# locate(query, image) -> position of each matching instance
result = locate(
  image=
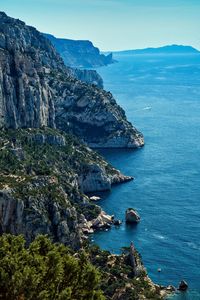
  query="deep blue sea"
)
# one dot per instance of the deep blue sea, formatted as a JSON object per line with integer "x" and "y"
{"x": 161, "y": 97}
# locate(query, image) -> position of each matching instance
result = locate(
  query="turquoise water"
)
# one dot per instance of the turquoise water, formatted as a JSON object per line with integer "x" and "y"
{"x": 161, "y": 97}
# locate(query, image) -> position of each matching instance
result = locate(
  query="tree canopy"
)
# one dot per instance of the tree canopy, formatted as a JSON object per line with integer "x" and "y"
{"x": 44, "y": 270}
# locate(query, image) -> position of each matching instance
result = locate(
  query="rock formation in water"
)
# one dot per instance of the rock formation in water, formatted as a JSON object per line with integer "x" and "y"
{"x": 80, "y": 54}
{"x": 37, "y": 89}
{"x": 132, "y": 216}
{"x": 183, "y": 286}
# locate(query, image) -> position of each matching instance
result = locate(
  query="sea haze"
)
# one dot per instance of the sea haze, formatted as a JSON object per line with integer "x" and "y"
{"x": 161, "y": 97}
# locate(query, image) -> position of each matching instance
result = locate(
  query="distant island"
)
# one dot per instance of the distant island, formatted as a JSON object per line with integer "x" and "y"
{"x": 169, "y": 50}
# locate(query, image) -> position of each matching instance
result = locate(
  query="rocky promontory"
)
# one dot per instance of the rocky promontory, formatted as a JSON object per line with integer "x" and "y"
{"x": 94, "y": 116}
{"x": 88, "y": 76}
{"x": 80, "y": 53}
{"x": 44, "y": 175}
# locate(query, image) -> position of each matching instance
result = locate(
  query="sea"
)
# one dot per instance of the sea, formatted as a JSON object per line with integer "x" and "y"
{"x": 161, "y": 97}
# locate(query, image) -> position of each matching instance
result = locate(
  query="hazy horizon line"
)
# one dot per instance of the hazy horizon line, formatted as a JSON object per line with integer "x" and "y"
{"x": 122, "y": 50}
{"x": 102, "y": 43}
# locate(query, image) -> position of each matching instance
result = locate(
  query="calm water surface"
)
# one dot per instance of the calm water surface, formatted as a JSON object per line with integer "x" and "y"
{"x": 161, "y": 97}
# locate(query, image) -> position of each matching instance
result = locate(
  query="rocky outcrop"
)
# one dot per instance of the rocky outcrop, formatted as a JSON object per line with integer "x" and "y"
{"x": 183, "y": 286}
{"x": 131, "y": 257}
{"x": 50, "y": 139}
{"x": 25, "y": 98}
{"x": 72, "y": 56}
{"x": 37, "y": 89}
{"x": 94, "y": 116}
{"x": 88, "y": 76}
{"x": 102, "y": 222}
{"x": 132, "y": 216}
{"x": 35, "y": 215}
{"x": 80, "y": 54}
{"x": 127, "y": 277}
{"x": 95, "y": 178}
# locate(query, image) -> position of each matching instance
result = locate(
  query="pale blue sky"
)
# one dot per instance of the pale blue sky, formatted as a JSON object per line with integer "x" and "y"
{"x": 113, "y": 24}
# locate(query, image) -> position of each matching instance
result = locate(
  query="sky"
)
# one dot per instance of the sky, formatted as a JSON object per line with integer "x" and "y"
{"x": 113, "y": 24}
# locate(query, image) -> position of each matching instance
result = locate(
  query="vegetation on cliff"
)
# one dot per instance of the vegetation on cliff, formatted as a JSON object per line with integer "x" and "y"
{"x": 40, "y": 193}
{"x": 43, "y": 176}
{"x": 44, "y": 270}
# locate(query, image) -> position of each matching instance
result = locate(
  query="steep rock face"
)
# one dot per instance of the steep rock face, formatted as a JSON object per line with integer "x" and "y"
{"x": 37, "y": 89}
{"x": 25, "y": 98}
{"x": 34, "y": 215}
{"x": 94, "y": 116}
{"x": 97, "y": 178}
{"x": 79, "y": 54}
{"x": 88, "y": 76}
{"x": 43, "y": 177}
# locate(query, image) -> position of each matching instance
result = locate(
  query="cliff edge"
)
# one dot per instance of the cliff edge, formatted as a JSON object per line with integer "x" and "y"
{"x": 80, "y": 53}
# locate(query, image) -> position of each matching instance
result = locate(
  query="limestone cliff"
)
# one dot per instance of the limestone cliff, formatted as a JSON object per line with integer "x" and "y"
{"x": 93, "y": 115}
{"x": 79, "y": 53}
{"x": 88, "y": 76}
{"x": 37, "y": 89}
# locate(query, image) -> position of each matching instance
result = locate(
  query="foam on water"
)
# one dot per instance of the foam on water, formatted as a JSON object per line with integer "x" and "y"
{"x": 159, "y": 236}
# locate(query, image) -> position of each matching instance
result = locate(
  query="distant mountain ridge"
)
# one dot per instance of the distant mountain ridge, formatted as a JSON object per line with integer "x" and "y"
{"x": 169, "y": 49}
{"x": 79, "y": 53}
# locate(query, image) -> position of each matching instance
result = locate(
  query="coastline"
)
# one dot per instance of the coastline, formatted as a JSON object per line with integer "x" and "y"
{"x": 46, "y": 173}
{"x": 105, "y": 222}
